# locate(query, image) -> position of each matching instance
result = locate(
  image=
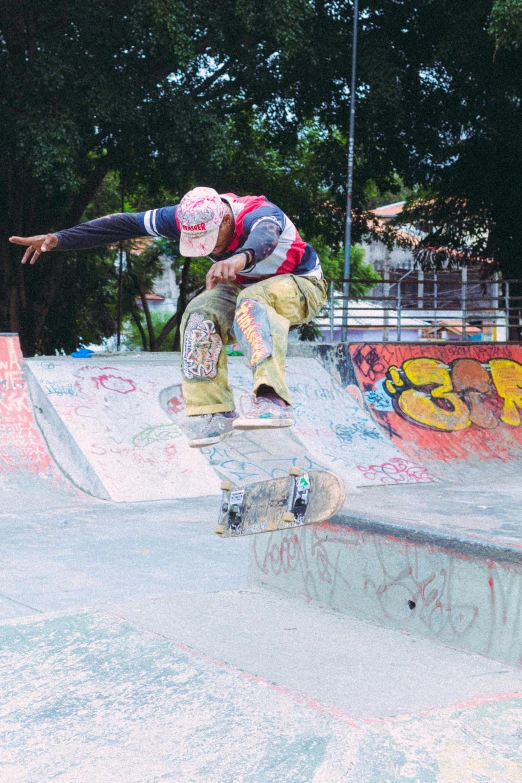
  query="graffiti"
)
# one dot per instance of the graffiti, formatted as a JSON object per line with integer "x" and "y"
{"x": 61, "y": 389}
{"x": 454, "y": 397}
{"x": 345, "y": 432}
{"x": 115, "y": 383}
{"x": 252, "y": 331}
{"x": 369, "y": 361}
{"x": 157, "y": 433}
{"x": 174, "y": 405}
{"x": 507, "y": 379}
{"x": 438, "y": 593}
{"x": 201, "y": 348}
{"x": 378, "y": 397}
{"x": 22, "y": 446}
{"x": 396, "y": 471}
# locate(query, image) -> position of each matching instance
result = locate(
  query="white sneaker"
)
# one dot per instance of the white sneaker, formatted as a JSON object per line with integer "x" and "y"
{"x": 214, "y": 427}
{"x": 264, "y": 414}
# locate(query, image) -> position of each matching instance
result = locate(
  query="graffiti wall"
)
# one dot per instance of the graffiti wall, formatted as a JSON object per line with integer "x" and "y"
{"x": 22, "y": 448}
{"x": 462, "y": 601}
{"x": 445, "y": 402}
{"x": 110, "y": 413}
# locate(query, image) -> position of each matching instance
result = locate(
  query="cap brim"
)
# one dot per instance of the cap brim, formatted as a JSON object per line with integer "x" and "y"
{"x": 197, "y": 246}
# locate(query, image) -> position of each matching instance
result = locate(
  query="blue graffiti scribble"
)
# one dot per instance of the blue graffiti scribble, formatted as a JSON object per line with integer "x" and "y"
{"x": 61, "y": 389}
{"x": 378, "y": 398}
{"x": 346, "y": 432}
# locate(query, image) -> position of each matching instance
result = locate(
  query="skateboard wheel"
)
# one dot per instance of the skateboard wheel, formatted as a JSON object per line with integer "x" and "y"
{"x": 289, "y": 516}
{"x": 220, "y": 530}
{"x": 226, "y": 486}
{"x": 273, "y": 525}
{"x": 294, "y": 471}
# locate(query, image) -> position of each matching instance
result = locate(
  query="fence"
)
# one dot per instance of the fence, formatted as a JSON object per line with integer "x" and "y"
{"x": 439, "y": 306}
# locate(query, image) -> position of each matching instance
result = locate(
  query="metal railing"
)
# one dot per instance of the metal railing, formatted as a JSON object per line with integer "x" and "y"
{"x": 436, "y": 307}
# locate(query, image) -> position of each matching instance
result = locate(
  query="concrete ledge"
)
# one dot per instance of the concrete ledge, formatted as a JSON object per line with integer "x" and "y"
{"x": 463, "y": 544}
{"x": 416, "y": 581}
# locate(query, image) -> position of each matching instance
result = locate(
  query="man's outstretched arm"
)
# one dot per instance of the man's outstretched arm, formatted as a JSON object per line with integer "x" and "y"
{"x": 103, "y": 231}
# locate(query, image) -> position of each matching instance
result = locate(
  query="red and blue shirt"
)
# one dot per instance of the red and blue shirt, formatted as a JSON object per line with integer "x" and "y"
{"x": 273, "y": 242}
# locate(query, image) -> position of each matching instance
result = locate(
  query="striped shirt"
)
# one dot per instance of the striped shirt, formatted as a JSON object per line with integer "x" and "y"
{"x": 260, "y": 227}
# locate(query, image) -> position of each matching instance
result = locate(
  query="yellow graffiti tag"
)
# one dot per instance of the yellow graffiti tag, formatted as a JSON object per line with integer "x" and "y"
{"x": 507, "y": 377}
{"x": 437, "y": 407}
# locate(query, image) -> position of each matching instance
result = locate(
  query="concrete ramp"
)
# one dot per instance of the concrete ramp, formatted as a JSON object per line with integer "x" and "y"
{"x": 25, "y": 461}
{"x": 376, "y": 414}
{"x": 105, "y": 416}
{"x": 23, "y": 450}
{"x": 121, "y": 421}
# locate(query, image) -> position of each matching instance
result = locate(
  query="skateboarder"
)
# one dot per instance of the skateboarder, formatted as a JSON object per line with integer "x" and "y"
{"x": 263, "y": 280}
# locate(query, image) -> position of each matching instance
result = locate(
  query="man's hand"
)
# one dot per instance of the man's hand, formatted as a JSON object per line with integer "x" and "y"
{"x": 221, "y": 271}
{"x": 35, "y": 246}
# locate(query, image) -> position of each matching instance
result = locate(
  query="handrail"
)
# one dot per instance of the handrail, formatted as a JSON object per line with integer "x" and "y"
{"x": 476, "y": 309}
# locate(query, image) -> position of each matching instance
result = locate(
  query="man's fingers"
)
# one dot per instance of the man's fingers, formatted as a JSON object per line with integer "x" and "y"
{"x": 28, "y": 253}
{"x": 22, "y": 240}
{"x": 35, "y": 257}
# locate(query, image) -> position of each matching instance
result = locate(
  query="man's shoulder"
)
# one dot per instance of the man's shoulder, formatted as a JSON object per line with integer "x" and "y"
{"x": 249, "y": 210}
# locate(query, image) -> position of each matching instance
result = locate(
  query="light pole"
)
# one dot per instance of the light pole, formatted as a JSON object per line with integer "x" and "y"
{"x": 348, "y": 227}
{"x": 120, "y": 272}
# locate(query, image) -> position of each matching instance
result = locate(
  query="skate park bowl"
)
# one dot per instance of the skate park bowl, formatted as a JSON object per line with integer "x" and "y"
{"x": 427, "y": 438}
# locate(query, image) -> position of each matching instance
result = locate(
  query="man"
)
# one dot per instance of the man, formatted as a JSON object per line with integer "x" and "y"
{"x": 263, "y": 280}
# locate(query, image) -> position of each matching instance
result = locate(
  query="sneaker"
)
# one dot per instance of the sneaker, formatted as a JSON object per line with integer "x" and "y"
{"x": 213, "y": 428}
{"x": 265, "y": 413}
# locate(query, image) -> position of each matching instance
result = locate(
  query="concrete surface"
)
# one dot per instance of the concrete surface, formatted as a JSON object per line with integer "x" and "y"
{"x": 132, "y": 650}
{"x": 133, "y": 647}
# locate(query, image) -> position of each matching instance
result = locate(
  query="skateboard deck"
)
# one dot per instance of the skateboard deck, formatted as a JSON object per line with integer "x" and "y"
{"x": 301, "y": 498}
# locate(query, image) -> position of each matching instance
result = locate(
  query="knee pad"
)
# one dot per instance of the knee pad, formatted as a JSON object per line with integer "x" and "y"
{"x": 201, "y": 348}
{"x": 252, "y": 330}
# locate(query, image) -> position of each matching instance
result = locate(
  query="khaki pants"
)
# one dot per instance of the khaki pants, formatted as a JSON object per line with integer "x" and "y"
{"x": 257, "y": 317}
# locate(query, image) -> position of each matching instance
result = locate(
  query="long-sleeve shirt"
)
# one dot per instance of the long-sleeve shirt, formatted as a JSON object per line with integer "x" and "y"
{"x": 260, "y": 227}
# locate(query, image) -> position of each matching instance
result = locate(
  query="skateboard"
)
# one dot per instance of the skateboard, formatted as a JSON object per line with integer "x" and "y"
{"x": 277, "y": 504}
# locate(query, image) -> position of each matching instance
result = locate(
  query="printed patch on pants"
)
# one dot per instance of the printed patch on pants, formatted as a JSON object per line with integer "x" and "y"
{"x": 201, "y": 348}
{"x": 252, "y": 329}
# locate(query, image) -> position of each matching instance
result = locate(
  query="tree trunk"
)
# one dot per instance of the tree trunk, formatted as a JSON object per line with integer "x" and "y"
{"x": 182, "y": 302}
{"x": 27, "y": 293}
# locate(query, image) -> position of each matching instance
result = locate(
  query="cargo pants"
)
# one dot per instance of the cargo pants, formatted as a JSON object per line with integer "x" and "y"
{"x": 258, "y": 318}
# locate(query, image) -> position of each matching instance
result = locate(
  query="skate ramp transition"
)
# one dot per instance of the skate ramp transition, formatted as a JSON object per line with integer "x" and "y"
{"x": 382, "y": 414}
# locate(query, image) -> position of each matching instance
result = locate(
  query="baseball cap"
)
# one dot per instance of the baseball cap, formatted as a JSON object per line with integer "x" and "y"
{"x": 200, "y": 213}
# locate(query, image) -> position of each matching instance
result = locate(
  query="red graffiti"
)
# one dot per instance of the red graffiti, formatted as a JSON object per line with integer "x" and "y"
{"x": 115, "y": 383}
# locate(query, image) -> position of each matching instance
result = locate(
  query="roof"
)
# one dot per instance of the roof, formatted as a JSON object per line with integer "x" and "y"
{"x": 389, "y": 210}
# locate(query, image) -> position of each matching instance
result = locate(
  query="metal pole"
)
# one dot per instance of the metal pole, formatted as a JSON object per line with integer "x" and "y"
{"x": 348, "y": 227}
{"x": 399, "y": 317}
{"x": 332, "y": 311}
{"x": 464, "y": 303}
{"x": 435, "y": 292}
{"x": 420, "y": 296}
{"x": 508, "y": 313}
{"x": 120, "y": 274}
{"x": 386, "y": 294}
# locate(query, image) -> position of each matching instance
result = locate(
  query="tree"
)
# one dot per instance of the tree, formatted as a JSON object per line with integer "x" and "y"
{"x": 142, "y": 88}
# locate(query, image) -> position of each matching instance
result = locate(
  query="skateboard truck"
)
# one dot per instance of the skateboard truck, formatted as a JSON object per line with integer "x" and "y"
{"x": 231, "y": 503}
{"x": 297, "y": 500}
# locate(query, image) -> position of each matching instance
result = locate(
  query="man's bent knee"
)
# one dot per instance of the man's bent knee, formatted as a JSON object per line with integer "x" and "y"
{"x": 202, "y": 346}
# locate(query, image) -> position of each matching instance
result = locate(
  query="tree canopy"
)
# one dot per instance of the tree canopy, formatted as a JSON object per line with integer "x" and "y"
{"x": 146, "y": 88}
{"x": 252, "y": 97}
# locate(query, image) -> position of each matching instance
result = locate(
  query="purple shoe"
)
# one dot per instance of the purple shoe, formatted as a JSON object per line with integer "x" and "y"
{"x": 264, "y": 414}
